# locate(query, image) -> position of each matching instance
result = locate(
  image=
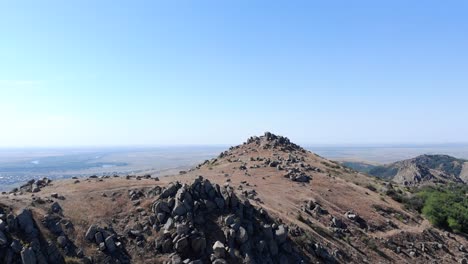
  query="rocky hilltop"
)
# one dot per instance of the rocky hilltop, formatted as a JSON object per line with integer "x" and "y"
{"x": 425, "y": 169}
{"x": 265, "y": 201}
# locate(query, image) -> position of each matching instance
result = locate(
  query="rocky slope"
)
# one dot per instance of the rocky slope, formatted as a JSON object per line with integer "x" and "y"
{"x": 424, "y": 169}
{"x": 265, "y": 201}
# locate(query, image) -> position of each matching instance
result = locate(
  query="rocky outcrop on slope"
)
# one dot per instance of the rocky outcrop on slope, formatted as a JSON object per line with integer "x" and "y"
{"x": 32, "y": 186}
{"x": 22, "y": 242}
{"x": 206, "y": 223}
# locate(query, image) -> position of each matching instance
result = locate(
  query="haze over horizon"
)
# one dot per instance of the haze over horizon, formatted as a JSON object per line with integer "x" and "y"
{"x": 119, "y": 73}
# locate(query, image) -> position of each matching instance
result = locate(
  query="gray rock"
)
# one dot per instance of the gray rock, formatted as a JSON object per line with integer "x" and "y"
{"x": 181, "y": 245}
{"x": 241, "y": 235}
{"x": 219, "y": 202}
{"x": 3, "y": 239}
{"x": 210, "y": 206}
{"x": 273, "y": 247}
{"x": 268, "y": 231}
{"x": 91, "y": 233}
{"x": 283, "y": 259}
{"x": 179, "y": 208}
{"x": 12, "y": 223}
{"x": 182, "y": 229}
{"x": 170, "y": 191}
{"x": 218, "y": 249}
{"x": 281, "y": 234}
{"x": 336, "y": 223}
{"x": 98, "y": 238}
{"x": 167, "y": 246}
{"x": 26, "y": 223}
{"x": 198, "y": 245}
{"x": 161, "y": 217}
{"x": 102, "y": 246}
{"x": 56, "y": 208}
{"x": 16, "y": 246}
{"x": 62, "y": 241}
{"x": 261, "y": 246}
{"x": 2, "y": 225}
{"x": 161, "y": 207}
{"x": 110, "y": 244}
{"x": 230, "y": 219}
{"x": 169, "y": 224}
{"x": 176, "y": 259}
{"x": 28, "y": 256}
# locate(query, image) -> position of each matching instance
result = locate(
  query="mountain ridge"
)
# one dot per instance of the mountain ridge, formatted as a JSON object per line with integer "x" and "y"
{"x": 424, "y": 169}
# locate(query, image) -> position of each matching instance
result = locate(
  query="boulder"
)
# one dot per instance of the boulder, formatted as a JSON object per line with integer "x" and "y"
{"x": 91, "y": 233}
{"x": 219, "y": 202}
{"x": 110, "y": 244}
{"x": 170, "y": 191}
{"x": 198, "y": 245}
{"x": 26, "y": 223}
{"x": 179, "y": 208}
{"x": 218, "y": 249}
{"x": 273, "y": 247}
{"x": 268, "y": 231}
{"x": 241, "y": 235}
{"x": 281, "y": 234}
{"x": 169, "y": 224}
{"x": 28, "y": 256}
{"x": 181, "y": 245}
{"x": 56, "y": 208}
{"x": 3, "y": 239}
{"x": 161, "y": 207}
{"x": 182, "y": 229}
{"x": 16, "y": 246}
{"x": 62, "y": 241}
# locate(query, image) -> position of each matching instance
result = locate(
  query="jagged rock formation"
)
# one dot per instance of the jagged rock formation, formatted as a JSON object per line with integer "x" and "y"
{"x": 202, "y": 223}
{"x": 424, "y": 169}
{"x": 22, "y": 242}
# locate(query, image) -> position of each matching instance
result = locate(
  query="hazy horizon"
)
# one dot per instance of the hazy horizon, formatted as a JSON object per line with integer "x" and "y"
{"x": 146, "y": 73}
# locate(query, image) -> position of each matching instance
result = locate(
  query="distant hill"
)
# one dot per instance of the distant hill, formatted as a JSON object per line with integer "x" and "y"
{"x": 420, "y": 170}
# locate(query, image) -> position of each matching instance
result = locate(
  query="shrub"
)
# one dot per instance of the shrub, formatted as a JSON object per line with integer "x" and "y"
{"x": 445, "y": 207}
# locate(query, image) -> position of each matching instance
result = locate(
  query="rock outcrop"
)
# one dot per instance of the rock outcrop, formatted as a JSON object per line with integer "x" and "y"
{"x": 209, "y": 223}
{"x": 22, "y": 242}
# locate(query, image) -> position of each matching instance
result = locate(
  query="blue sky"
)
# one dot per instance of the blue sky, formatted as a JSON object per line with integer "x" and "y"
{"x": 91, "y": 73}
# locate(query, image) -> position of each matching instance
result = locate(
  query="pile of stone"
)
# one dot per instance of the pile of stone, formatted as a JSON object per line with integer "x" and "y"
{"x": 22, "y": 242}
{"x": 206, "y": 223}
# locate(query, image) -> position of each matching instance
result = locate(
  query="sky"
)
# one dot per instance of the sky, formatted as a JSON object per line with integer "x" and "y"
{"x": 115, "y": 73}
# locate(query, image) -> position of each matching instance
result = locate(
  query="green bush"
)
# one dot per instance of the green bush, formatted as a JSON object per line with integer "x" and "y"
{"x": 445, "y": 207}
